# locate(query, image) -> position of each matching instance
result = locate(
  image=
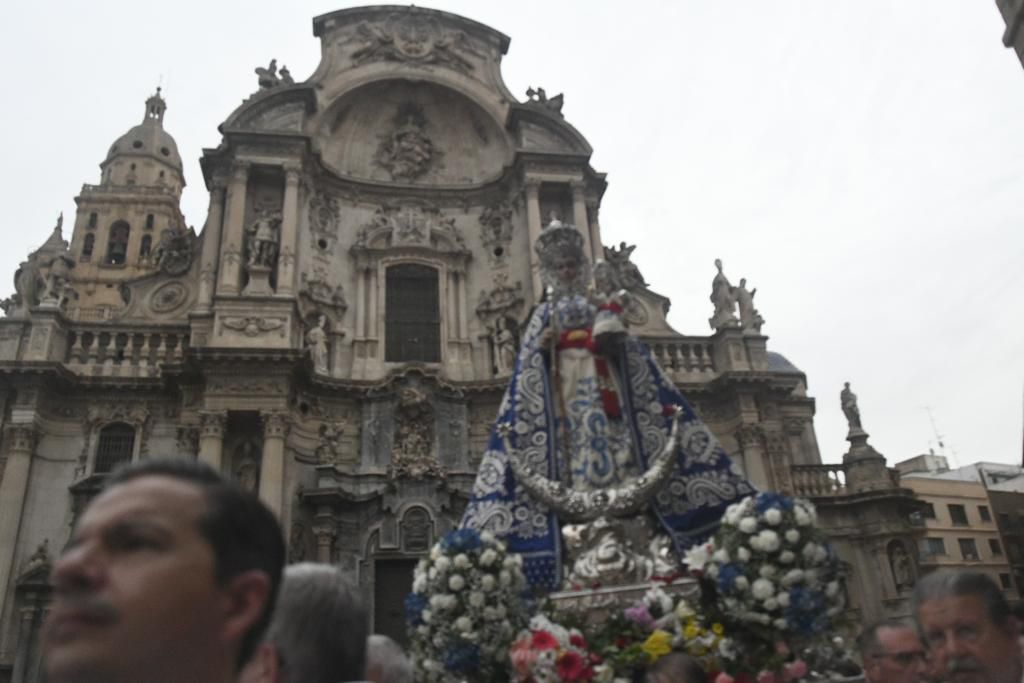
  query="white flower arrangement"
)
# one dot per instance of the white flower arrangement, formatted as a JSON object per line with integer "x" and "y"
{"x": 770, "y": 567}
{"x": 465, "y": 608}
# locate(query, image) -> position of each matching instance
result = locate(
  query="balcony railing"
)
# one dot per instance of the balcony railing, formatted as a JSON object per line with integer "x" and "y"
{"x": 819, "y": 480}
{"x": 124, "y": 353}
{"x": 683, "y": 358}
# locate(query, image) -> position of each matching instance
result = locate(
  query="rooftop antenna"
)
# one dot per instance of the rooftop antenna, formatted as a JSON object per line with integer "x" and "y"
{"x": 939, "y": 437}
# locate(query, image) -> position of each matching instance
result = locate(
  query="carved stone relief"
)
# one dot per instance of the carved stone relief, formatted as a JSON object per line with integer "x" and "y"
{"x": 173, "y": 254}
{"x": 329, "y": 448}
{"x": 503, "y": 299}
{"x": 416, "y": 531}
{"x": 412, "y": 455}
{"x": 410, "y": 224}
{"x": 188, "y": 440}
{"x": 167, "y": 297}
{"x": 324, "y": 219}
{"x": 407, "y": 152}
{"x": 253, "y": 326}
{"x": 316, "y": 291}
{"x": 414, "y": 39}
{"x": 496, "y": 232}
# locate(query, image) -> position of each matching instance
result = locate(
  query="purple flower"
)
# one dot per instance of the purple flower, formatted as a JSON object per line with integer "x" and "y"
{"x": 639, "y": 614}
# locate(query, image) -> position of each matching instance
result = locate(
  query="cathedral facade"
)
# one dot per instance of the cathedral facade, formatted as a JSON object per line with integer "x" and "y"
{"x": 338, "y": 336}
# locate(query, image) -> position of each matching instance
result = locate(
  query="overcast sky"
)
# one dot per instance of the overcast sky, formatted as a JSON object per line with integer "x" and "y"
{"x": 859, "y": 162}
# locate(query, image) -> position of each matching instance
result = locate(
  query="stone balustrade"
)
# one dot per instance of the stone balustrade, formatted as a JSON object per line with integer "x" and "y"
{"x": 124, "y": 353}
{"x": 819, "y": 480}
{"x": 683, "y": 358}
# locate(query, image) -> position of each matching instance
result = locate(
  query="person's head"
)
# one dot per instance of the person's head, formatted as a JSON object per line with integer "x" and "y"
{"x": 318, "y": 633}
{"x": 966, "y": 624}
{"x": 170, "y": 574}
{"x": 675, "y": 667}
{"x": 386, "y": 662}
{"x": 891, "y": 652}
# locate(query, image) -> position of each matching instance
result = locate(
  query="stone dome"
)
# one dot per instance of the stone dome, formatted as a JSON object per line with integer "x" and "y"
{"x": 149, "y": 139}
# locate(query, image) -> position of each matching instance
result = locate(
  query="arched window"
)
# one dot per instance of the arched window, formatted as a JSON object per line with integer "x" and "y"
{"x": 144, "y": 248}
{"x": 87, "y": 245}
{"x": 117, "y": 243}
{"x": 92, "y": 220}
{"x": 116, "y": 444}
{"x": 412, "y": 327}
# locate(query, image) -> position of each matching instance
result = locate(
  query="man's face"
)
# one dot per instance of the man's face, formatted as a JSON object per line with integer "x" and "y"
{"x": 136, "y": 596}
{"x": 900, "y": 658}
{"x": 966, "y": 646}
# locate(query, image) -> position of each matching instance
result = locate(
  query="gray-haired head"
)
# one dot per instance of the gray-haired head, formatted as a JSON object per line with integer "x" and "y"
{"x": 319, "y": 625}
{"x": 386, "y": 662}
{"x": 675, "y": 667}
{"x": 867, "y": 641}
{"x": 956, "y": 584}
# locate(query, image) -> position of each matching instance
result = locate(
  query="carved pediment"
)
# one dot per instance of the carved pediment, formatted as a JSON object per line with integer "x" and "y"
{"x": 411, "y": 225}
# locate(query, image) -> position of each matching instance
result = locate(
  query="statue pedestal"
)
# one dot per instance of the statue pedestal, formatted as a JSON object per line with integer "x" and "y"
{"x": 259, "y": 281}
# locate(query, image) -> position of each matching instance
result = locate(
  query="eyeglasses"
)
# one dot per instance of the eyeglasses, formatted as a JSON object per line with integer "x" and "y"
{"x": 905, "y": 658}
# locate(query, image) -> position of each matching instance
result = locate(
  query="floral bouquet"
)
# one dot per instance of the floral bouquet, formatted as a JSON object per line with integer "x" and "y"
{"x": 465, "y": 608}
{"x": 771, "y": 577}
{"x": 549, "y": 652}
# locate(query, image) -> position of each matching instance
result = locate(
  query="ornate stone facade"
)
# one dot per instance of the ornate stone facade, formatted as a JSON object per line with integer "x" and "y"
{"x": 392, "y": 196}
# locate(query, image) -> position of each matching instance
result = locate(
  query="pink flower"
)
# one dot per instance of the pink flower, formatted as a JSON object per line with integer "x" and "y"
{"x": 794, "y": 671}
{"x": 724, "y": 678}
{"x": 523, "y": 657}
{"x": 766, "y": 677}
{"x": 640, "y": 615}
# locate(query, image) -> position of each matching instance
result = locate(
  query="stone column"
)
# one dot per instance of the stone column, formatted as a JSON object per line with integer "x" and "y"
{"x": 27, "y": 620}
{"x": 533, "y": 221}
{"x": 460, "y": 293}
{"x": 211, "y": 437}
{"x": 211, "y": 246}
{"x": 275, "y": 429}
{"x": 19, "y": 441}
{"x": 234, "y": 231}
{"x": 593, "y": 210}
{"x": 579, "y": 214}
{"x": 751, "y": 439}
{"x": 325, "y": 534}
{"x": 289, "y": 231}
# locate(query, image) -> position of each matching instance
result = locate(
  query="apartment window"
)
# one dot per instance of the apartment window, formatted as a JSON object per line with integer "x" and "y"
{"x": 984, "y": 513}
{"x": 929, "y": 511}
{"x": 933, "y": 546}
{"x": 1004, "y": 581}
{"x": 968, "y": 549}
{"x": 1004, "y": 519}
{"x": 994, "y": 546}
{"x": 958, "y": 514}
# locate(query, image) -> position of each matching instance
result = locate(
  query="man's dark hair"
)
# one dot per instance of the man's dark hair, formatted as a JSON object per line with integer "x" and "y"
{"x": 867, "y": 641}
{"x": 320, "y": 625}
{"x": 955, "y": 584}
{"x": 242, "y": 531}
{"x": 675, "y": 667}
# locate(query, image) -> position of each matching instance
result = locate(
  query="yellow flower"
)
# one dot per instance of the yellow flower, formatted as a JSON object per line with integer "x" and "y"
{"x": 691, "y": 631}
{"x": 717, "y": 629}
{"x": 657, "y": 644}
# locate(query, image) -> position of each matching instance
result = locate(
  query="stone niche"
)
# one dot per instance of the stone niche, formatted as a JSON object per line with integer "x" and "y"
{"x": 413, "y": 133}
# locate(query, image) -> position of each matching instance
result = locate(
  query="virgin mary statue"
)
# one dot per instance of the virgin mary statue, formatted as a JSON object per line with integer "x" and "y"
{"x": 590, "y": 412}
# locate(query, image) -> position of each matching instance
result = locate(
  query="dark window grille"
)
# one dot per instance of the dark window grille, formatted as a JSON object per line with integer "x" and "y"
{"x": 968, "y": 549}
{"x": 115, "y": 446}
{"x": 994, "y": 546}
{"x": 90, "y": 241}
{"x": 412, "y": 329}
{"x": 146, "y": 246}
{"x": 983, "y": 512}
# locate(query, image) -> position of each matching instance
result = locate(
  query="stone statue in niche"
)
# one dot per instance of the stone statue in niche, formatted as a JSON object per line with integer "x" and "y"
{"x": 412, "y": 456}
{"x": 407, "y": 152}
{"x": 173, "y": 255}
{"x": 505, "y": 344}
{"x": 724, "y": 298}
{"x": 848, "y": 402}
{"x": 750, "y": 319}
{"x": 902, "y": 570}
{"x": 262, "y": 239}
{"x": 328, "y": 451}
{"x": 319, "y": 346}
{"x": 247, "y": 470}
{"x": 626, "y": 272}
